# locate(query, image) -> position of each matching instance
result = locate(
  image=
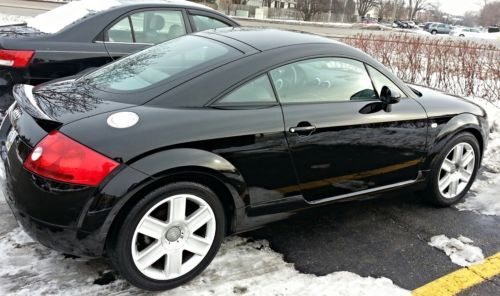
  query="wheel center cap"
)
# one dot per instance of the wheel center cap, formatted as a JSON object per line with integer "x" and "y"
{"x": 173, "y": 234}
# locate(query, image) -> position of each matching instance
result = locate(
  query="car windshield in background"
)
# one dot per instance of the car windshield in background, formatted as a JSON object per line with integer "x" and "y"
{"x": 164, "y": 62}
{"x": 57, "y": 19}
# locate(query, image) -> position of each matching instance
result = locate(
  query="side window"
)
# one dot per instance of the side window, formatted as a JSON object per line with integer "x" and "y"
{"x": 323, "y": 80}
{"x": 379, "y": 80}
{"x": 120, "y": 32}
{"x": 203, "y": 23}
{"x": 258, "y": 90}
{"x": 157, "y": 26}
{"x": 148, "y": 27}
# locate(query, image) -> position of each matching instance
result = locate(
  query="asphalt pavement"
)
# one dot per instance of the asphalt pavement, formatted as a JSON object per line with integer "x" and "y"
{"x": 383, "y": 237}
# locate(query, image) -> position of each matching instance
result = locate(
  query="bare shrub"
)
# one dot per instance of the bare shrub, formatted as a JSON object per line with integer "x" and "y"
{"x": 460, "y": 67}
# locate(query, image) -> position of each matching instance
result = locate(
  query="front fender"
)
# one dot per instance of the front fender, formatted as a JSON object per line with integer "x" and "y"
{"x": 447, "y": 129}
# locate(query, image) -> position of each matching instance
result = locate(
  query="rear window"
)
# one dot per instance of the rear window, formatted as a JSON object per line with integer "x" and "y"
{"x": 161, "y": 63}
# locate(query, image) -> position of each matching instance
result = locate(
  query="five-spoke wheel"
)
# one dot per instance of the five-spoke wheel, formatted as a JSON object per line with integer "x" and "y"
{"x": 454, "y": 169}
{"x": 169, "y": 236}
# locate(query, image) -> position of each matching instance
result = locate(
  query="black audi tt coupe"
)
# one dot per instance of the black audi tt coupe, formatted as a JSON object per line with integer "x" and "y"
{"x": 88, "y": 33}
{"x": 153, "y": 159}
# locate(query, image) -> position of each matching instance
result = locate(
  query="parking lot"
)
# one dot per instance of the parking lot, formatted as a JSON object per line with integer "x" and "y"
{"x": 370, "y": 247}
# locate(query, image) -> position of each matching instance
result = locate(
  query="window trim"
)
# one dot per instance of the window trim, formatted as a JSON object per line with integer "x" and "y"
{"x": 193, "y": 24}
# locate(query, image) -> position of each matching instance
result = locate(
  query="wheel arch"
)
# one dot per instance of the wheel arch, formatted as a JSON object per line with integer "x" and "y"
{"x": 189, "y": 165}
{"x": 465, "y": 122}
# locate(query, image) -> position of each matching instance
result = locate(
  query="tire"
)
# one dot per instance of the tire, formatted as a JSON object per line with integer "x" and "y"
{"x": 448, "y": 195}
{"x": 461, "y": 35}
{"x": 434, "y": 32}
{"x": 168, "y": 234}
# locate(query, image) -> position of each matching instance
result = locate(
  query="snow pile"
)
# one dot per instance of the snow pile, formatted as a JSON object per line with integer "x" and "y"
{"x": 6, "y": 19}
{"x": 485, "y": 191}
{"x": 241, "y": 267}
{"x": 460, "y": 250}
{"x": 64, "y": 15}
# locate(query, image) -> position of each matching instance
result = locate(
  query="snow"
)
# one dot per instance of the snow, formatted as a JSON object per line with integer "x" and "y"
{"x": 460, "y": 250}
{"x": 484, "y": 197}
{"x": 6, "y": 19}
{"x": 241, "y": 267}
{"x": 68, "y": 14}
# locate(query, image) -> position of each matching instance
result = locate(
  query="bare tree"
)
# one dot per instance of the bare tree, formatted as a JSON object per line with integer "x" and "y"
{"x": 365, "y": 5}
{"x": 490, "y": 14}
{"x": 309, "y": 8}
{"x": 415, "y": 6}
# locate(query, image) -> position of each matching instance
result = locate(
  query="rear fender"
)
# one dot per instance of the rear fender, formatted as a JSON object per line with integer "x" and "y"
{"x": 142, "y": 173}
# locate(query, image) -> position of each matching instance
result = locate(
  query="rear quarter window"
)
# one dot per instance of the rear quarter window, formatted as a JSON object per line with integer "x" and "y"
{"x": 159, "y": 64}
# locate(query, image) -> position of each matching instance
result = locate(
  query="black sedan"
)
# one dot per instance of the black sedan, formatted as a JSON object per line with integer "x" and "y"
{"x": 87, "y": 34}
{"x": 153, "y": 159}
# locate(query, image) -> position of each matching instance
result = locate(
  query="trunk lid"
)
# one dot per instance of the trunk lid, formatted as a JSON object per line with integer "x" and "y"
{"x": 19, "y": 31}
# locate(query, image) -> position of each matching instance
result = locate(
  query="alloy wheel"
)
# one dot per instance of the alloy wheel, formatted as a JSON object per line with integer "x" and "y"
{"x": 456, "y": 170}
{"x": 173, "y": 237}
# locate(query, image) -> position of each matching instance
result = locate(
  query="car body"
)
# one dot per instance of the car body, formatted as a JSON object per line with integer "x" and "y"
{"x": 439, "y": 28}
{"x": 465, "y": 32}
{"x": 43, "y": 50}
{"x": 272, "y": 123}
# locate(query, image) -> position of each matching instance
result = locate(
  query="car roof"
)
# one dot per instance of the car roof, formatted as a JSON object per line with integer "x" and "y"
{"x": 183, "y": 3}
{"x": 266, "y": 38}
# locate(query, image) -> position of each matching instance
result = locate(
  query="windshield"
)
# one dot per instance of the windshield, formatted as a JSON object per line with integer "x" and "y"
{"x": 164, "y": 62}
{"x": 56, "y": 19}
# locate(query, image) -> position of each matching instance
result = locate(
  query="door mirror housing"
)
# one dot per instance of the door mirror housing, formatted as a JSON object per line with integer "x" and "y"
{"x": 389, "y": 96}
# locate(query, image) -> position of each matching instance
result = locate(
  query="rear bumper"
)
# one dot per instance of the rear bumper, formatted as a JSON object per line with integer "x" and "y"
{"x": 48, "y": 211}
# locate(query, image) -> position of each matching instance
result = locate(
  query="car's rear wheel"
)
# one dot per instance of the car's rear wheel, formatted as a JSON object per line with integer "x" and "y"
{"x": 434, "y": 32}
{"x": 454, "y": 170}
{"x": 169, "y": 237}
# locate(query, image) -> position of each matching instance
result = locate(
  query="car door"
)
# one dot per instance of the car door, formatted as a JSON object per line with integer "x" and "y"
{"x": 342, "y": 140}
{"x": 141, "y": 29}
{"x": 258, "y": 148}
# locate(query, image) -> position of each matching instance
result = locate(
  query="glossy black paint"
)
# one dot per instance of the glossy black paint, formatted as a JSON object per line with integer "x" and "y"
{"x": 245, "y": 153}
{"x": 79, "y": 46}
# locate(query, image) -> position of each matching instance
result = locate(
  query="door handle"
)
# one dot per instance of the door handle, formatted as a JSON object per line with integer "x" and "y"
{"x": 302, "y": 129}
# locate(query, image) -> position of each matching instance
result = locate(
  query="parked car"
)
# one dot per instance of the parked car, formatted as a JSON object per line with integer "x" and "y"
{"x": 154, "y": 158}
{"x": 439, "y": 28}
{"x": 90, "y": 34}
{"x": 426, "y": 26}
{"x": 465, "y": 32}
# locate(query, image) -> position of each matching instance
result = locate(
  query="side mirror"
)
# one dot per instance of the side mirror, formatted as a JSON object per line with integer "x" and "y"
{"x": 389, "y": 96}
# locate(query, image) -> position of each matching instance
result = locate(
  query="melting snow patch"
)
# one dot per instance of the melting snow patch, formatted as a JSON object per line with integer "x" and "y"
{"x": 68, "y": 13}
{"x": 241, "y": 267}
{"x": 460, "y": 250}
{"x": 11, "y": 19}
{"x": 485, "y": 191}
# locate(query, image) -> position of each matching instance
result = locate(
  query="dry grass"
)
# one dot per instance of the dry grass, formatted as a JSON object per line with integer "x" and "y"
{"x": 460, "y": 67}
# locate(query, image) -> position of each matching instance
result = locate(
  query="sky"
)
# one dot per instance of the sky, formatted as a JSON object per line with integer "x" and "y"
{"x": 459, "y": 7}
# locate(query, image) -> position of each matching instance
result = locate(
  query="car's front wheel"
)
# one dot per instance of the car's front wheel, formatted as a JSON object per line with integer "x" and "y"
{"x": 169, "y": 237}
{"x": 454, "y": 170}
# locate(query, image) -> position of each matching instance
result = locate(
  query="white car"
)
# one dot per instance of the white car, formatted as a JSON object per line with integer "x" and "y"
{"x": 465, "y": 32}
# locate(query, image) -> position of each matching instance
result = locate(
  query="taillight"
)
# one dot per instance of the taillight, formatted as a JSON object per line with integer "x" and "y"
{"x": 15, "y": 58}
{"x": 62, "y": 159}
